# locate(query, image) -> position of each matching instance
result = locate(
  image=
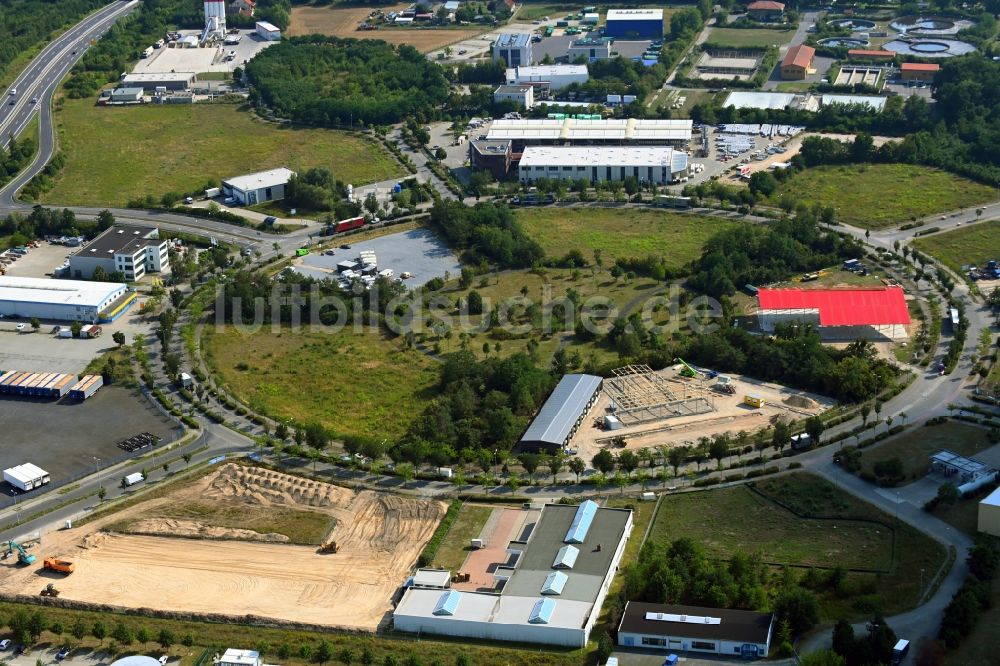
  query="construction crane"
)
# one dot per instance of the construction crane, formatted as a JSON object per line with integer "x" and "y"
{"x": 688, "y": 370}
{"x": 23, "y": 557}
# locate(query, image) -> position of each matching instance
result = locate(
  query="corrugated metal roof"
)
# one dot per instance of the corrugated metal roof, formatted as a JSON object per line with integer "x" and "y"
{"x": 841, "y": 307}
{"x": 919, "y": 67}
{"x": 562, "y": 409}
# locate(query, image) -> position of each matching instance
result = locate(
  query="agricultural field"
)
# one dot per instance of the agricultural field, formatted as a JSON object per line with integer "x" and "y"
{"x": 353, "y": 383}
{"x": 378, "y": 536}
{"x": 117, "y": 154}
{"x": 621, "y": 233}
{"x": 737, "y": 518}
{"x": 748, "y": 37}
{"x": 877, "y": 196}
{"x": 339, "y": 21}
{"x": 916, "y": 445}
{"x": 975, "y": 244}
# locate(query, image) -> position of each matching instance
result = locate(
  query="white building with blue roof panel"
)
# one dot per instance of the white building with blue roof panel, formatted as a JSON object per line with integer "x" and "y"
{"x": 546, "y": 590}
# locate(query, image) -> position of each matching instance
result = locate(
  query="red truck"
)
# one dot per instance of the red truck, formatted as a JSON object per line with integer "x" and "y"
{"x": 347, "y": 225}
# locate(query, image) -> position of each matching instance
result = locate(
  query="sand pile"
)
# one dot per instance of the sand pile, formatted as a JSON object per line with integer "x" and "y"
{"x": 192, "y": 528}
{"x": 801, "y": 401}
{"x": 267, "y": 487}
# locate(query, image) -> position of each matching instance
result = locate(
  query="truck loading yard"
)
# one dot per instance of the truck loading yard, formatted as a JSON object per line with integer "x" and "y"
{"x": 217, "y": 569}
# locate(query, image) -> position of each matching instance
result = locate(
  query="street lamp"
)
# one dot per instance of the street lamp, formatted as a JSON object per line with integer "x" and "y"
{"x": 97, "y": 465}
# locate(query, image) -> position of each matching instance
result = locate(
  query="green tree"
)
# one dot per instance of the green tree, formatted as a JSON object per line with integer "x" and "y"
{"x": 166, "y": 638}
{"x": 718, "y": 449}
{"x": 628, "y": 461}
{"x": 122, "y": 633}
{"x": 798, "y": 607}
{"x": 603, "y": 461}
{"x": 143, "y": 635}
{"x": 577, "y": 466}
{"x": 79, "y": 629}
{"x": 324, "y": 652}
{"x": 101, "y": 493}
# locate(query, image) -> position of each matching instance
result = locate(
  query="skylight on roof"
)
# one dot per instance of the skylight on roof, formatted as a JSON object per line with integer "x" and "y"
{"x": 554, "y": 583}
{"x": 566, "y": 557}
{"x": 581, "y": 522}
{"x": 542, "y": 611}
{"x": 448, "y": 603}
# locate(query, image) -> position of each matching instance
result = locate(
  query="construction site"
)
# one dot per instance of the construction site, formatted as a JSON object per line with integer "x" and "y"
{"x": 216, "y": 547}
{"x": 680, "y": 404}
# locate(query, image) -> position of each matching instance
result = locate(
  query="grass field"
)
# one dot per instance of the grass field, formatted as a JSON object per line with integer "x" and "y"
{"x": 455, "y": 546}
{"x": 116, "y": 154}
{"x": 343, "y": 22}
{"x": 353, "y": 383}
{"x": 914, "y": 446}
{"x": 621, "y": 233}
{"x": 748, "y": 37}
{"x": 301, "y": 527}
{"x": 876, "y": 196}
{"x": 975, "y": 244}
{"x": 731, "y": 519}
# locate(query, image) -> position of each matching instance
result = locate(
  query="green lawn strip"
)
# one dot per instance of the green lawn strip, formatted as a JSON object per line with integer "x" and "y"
{"x": 455, "y": 546}
{"x": 876, "y": 196}
{"x": 219, "y": 636}
{"x": 117, "y": 154}
{"x": 915, "y": 446}
{"x": 621, "y": 232}
{"x": 352, "y": 382}
{"x": 748, "y": 37}
{"x": 975, "y": 244}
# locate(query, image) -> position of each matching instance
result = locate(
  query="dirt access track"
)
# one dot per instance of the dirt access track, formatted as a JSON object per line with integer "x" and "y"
{"x": 380, "y": 536}
{"x": 344, "y": 21}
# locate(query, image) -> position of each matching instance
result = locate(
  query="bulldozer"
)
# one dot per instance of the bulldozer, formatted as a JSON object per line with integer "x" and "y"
{"x": 329, "y": 547}
{"x": 50, "y": 591}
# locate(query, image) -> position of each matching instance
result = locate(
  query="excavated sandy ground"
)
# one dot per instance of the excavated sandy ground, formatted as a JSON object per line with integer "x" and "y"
{"x": 380, "y": 536}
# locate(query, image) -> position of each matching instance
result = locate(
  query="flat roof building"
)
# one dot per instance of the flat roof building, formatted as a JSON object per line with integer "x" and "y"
{"x": 648, "y": 164}
{"x": 873, "y": 102}
{"x": 58, "y": 300}
{"x": 870, "y": 55}
{"x": 734, "y": 633}
{"x": 131, "y": 250}
{"x": 514, "y": 48}
{"x": 493, "y": 155}
{"x": 561, "y": 414}
{"x": 589, "y": 48}
{"x": 523, "y": 96}
{"x": 634, "y": 24}
{"x": 255, "y": 188}
{"x": 837, "y": 313}
{"x": 233, "y": 657}
{"x": 126, "y": 95}
{"x": 153, "y": 80}
{"x": 547, "y": 77}
{"x": 268, "y": 31}
{"x": 797, "y": 62}
{"x": 541, "y": 593}
{"x": 618, "y": 131}
{"x": 745, "y": 99}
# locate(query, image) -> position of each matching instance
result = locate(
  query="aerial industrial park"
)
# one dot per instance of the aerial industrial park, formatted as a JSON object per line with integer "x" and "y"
{"x": 451, "y": 333}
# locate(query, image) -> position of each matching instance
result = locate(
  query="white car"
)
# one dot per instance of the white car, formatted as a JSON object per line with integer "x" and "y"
{"x": 4, "y": 644}
{"x": 163, "y": 660}
{"x": 19, "y": 327}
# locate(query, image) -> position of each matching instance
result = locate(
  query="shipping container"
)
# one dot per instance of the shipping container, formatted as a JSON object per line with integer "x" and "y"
{"x": 26, "y": 477}
{"x": 62, "y": 387}
{"x": 348, "y": 224}
{"x": 86, "y": 387}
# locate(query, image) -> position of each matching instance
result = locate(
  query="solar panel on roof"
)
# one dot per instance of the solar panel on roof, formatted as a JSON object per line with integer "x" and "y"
{"x": 541, "y": 613}
{"x": 554, "y": 583}
{"x": 448, "y": 603}
{"x": 581, "y": 522}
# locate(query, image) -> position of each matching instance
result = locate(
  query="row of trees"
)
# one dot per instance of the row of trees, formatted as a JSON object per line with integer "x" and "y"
{"x": 16, "y": 156}
{"x": 42, "y": 222}
{"x": 27, "y": 627}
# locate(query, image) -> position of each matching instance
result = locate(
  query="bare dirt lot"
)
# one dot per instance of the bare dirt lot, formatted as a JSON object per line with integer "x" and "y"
{"x": 343, "y": 22}
{"x": 379, "y": 535}
{"x": 729, "y": 415}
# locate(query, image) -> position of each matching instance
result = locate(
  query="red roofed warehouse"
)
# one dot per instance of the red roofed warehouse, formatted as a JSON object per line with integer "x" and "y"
{"x": 919, "y": 71}
{"x": 766, "y": 10}
{"x": 797, "y": 62}
{"x": 870, "y": 55}
{"x": 838, "y": 314}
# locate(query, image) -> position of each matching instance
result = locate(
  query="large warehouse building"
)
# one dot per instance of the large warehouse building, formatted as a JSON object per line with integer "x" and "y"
{"x": 838, "y": 314}
{"x": 549, "y": 590}
{"x": 153, "y": 80}
{"x": 634, "y": 24}
{"x": 62, "y": 300}
{"x": 660, "y": 165}
{"x": 617, "y": 131}
{"x": 131, "y": 250}
{"x": 547, "y": 77}
{"x": 734, "y": 633}
{"x": 258, "y": 187}
{"x": 561, "y": 414}
{"x": 514, "y": 48}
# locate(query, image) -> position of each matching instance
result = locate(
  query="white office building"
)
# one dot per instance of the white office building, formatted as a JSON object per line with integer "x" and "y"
{"x": 58, "y": 300}
{"x": 130, "y": 249}
{"x": 589, "y": 48}
{"x": 523, "y": 96}
{"x": 549, "y": 77}
{"x": 514, "y": 48}
{"x": 268, "y": 31}
{"x": 258, "y": 187}
{"x": 612, "y": 131}
{"x": 659, "y": 165}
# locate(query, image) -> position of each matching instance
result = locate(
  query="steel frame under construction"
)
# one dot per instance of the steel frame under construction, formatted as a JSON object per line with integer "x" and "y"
{"x": 641, "y": 395}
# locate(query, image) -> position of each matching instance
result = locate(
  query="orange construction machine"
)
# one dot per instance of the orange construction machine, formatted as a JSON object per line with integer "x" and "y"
{"x": 59, "y": 566}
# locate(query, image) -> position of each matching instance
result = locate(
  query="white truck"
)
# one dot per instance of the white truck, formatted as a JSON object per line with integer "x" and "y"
{"x": 133, "y": 479}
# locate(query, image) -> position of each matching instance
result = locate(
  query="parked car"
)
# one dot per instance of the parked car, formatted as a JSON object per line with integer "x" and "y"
{"x": 270, "y": 220}
{"x": 4, "y": 644}
{"x": 62, "y": 654}
{"x": 163, "y": 660}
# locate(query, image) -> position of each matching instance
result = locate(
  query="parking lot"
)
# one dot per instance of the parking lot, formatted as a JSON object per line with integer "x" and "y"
{"x": 40, "y": 261}
{"x": 200, "y": 60}
{"x": 64, "y": 437}
{"x": 417, "y": 251}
